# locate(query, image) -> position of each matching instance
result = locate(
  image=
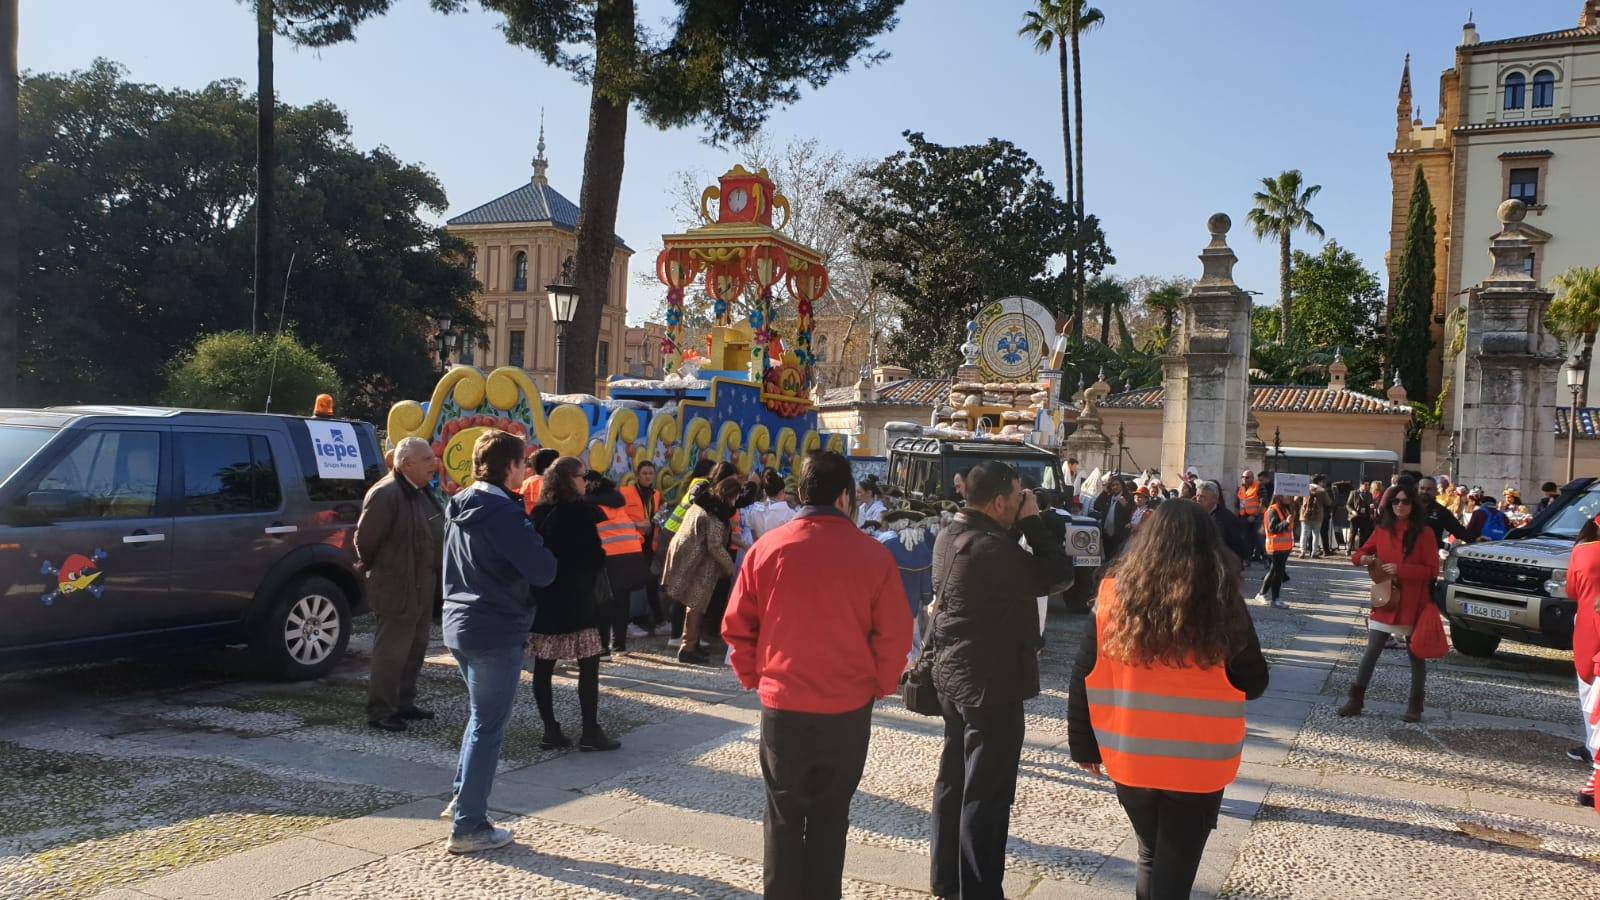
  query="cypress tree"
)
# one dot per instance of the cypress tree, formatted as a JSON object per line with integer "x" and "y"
{"x": 1409, "y": 340}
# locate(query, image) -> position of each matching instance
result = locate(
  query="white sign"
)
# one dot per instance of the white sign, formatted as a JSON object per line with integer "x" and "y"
{"x": 1291, "y": 485}
{"x": 336, "y": 450}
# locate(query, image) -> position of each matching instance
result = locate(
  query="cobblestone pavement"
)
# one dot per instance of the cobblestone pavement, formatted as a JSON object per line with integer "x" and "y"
{"x": 188, "y": 778}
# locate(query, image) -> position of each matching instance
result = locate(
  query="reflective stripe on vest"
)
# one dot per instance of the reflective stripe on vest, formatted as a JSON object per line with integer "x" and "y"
{"x": 1283, "y": 541}
{"x": 682, "y": 509}
{"x": 617, "y": 534}
{"x": 1250, "y": 500}
{"x": 1174, "y": 728}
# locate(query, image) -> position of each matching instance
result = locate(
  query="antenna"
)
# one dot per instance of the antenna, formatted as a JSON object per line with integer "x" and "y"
{"x": 283, "y": 310}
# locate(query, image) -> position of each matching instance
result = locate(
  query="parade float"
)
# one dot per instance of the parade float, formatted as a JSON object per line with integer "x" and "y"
{"x": 745, "y": 400}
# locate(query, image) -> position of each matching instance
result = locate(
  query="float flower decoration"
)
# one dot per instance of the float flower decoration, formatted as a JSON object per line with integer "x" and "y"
{"x": 676, "y": 267}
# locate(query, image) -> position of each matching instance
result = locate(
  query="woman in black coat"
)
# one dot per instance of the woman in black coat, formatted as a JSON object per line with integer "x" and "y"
{"x": 566, "y": 614}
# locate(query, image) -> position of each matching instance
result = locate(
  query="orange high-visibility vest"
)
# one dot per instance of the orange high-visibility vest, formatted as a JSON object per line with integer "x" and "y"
{"x": 617, "y": 534}
{"x": 530, "y": 492}
{"x": 633, "y": 498}
{"x": 1283, "y": 541}
{"x": 1250, "y": 500}
{"x": 1171, "y": 728}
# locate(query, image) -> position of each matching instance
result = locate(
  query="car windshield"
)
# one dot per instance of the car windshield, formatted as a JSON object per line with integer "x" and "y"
{"x": 1566, "y": 521}
{"x": 17, "y": 443}
{"x": 1034, "y": 473}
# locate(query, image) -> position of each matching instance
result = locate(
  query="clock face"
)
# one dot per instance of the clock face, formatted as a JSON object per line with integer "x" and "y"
{"x": 738, "y": 200}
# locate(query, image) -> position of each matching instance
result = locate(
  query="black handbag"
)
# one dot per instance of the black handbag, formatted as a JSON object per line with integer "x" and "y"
{"x": 916, "y": 685}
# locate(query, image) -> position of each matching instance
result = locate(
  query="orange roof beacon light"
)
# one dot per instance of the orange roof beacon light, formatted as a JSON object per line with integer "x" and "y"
{"x": 745, "y": 257}
{"x": 324, "y": 407}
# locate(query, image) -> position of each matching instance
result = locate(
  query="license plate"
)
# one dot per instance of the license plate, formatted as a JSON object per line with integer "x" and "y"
{"x": 1086, "y": 561}
{"x": 1485, "y": 611}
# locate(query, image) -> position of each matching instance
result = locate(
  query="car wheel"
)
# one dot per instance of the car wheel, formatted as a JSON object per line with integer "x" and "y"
{"x": 306, "y": 630}
{"x": 1473, "y": 643}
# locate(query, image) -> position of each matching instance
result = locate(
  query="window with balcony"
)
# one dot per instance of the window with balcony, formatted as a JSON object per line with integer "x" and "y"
{"x": 1544, "y": 89}
{"x": 1524, "y": 186}
{"x": 517, "y": 338}
{"x": 1516, "y": 90}
{"x": 519, "y": 280}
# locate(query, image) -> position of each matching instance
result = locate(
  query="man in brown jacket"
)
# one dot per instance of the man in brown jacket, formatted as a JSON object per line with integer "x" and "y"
{"x": 400, "y": 541}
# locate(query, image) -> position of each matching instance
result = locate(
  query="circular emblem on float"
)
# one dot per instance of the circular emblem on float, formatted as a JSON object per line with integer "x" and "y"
{"x": 1013, "y": 336}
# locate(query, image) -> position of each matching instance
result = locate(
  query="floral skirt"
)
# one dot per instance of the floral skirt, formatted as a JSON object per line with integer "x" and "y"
{"x": 572, "y": 645}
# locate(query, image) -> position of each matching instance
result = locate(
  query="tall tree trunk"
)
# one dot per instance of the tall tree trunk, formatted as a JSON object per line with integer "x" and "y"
{"x": 261, "y": 305}
{"x": 615, "y": 44}
{"x": 1284, "y": 301}
{"x": 1105, "y": 323}
{"x": 10, "y": 203}
{"x": 1073, "y": 308}
{"x": 1077, "y": 115}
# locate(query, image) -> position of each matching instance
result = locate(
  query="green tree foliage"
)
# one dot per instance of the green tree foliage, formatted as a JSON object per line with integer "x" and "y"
{"x": 1281, "y": 208}
{"x": 953, "y": 227}
{"x": 236, "y": 370}
{"x": 1574, "y": 315}
{"x": 1338, "y": 302}
{"x": 136, "y": 228}
{"x": 1409, "y": 340}
{"x": 719, "y": 65}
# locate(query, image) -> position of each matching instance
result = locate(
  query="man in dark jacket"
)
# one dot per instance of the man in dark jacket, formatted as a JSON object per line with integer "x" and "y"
{"x": 398, "y": 540}
{"x": 986, "y": 630}
{"x": 1209, "y": 495}
{"x": 492, "y": 560}
{"x": 1441, "y": 520}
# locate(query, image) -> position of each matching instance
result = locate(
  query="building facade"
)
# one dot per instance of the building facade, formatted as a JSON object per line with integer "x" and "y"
{"x": 1517, "y": 117}
{"x": 518, "y": 244}
{"x": 880, "y": 395}
{"x": 641, "y": 351}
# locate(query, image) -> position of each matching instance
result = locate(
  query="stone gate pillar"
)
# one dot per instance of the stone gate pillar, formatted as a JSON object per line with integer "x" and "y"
{"x": 1207, "y": 372}
{"x": 1507, "y": 373}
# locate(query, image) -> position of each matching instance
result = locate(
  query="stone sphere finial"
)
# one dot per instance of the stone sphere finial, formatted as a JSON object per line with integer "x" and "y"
{"x": 1218, "y": 224}
{"x": 1512, "y": 211}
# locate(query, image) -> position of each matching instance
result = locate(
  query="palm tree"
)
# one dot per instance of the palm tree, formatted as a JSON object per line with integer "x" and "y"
{"x": 1282, "y": 209}
{"x": 10, "y": 203}
{"x": 1047, "y": 25}
{"x": 1575, "y": 314}
{"x": 1084, "y": 19}
{"x": 1109, "y": 294}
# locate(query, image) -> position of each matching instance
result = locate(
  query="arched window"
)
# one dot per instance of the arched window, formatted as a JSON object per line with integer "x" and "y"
{"x": 1516, "y": 86}
{"x": 519, "y": 281}
{"x": 1544, "y": 89}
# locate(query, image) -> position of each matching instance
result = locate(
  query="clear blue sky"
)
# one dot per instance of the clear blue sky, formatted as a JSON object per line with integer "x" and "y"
{"x": 1187, "y": 104}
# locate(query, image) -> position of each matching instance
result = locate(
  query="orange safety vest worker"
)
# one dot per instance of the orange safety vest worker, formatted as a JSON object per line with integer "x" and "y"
{"x": 530, "y": 492}
{"x": 618, "y": 535}
{"x": 1283, "y": 541}
{"x": 641, "y": 503}
{"x": 1170, "y": 728}
{"x": 1250, "y": 500}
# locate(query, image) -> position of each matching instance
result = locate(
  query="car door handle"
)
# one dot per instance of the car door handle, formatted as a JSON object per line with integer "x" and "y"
{"x": 278, "y": 528}
{"x": 143, "y": 537}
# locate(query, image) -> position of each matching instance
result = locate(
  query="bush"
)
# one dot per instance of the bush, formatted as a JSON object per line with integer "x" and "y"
{"x": 231, "y": 370}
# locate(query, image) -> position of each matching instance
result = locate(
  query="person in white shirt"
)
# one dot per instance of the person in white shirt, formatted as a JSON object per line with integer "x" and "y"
{"x": 869, "y": 503}
{"x": 770, "y": 512}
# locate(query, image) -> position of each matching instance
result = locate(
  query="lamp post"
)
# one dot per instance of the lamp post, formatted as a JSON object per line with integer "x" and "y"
{"x": 446, "y": 340}
{"x": 1277, "y": 449}
{"x": 1575, "y": 375}
{"x": 563, "y": 308}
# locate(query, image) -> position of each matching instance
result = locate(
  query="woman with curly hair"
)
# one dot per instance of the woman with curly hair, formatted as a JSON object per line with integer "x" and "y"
{"x": 1159, "y": 688}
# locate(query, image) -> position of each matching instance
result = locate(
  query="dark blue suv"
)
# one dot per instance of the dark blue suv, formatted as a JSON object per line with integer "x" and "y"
{"x": 128, "y": 529}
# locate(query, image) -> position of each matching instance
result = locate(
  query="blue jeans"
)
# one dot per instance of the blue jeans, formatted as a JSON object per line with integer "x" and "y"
{"x": 492, "y": 677}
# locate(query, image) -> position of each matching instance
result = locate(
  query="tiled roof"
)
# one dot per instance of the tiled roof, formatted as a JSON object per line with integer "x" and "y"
{"x": 1525, "y": 123}
{"x": 1588, "y": 417}
{"x": 1276, "y": 398}
{"x": 1564, "y": 34}
{"x": 1525, "y": 154}
{"x": 905, "y": 392}
{"x": 530, "y": 203}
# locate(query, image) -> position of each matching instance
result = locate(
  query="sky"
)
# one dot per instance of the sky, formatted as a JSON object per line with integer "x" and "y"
{"x": 1187, "y": 105}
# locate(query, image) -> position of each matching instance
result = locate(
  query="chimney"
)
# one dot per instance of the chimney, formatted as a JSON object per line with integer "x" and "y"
{"x": 1337, "y": 371}
{"x": 1397, "y": 391}
{"x": 1469, "y": 33}
{"x": 865, "y": 390}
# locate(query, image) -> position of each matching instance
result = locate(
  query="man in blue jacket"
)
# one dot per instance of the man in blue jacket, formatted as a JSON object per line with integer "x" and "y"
{"x": 492, "y": 556}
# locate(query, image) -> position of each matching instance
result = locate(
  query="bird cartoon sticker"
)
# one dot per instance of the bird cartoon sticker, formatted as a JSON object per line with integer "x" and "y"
{"x": 78, "y": 574}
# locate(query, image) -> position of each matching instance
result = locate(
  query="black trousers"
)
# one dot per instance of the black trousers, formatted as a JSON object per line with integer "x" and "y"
{"x": 1172, "y": 828}
{"x": 1272, "y": 585}
{"x": 627, "y": 573}
{"x": 811, "y": 764}
{"x": 972, "y": 799}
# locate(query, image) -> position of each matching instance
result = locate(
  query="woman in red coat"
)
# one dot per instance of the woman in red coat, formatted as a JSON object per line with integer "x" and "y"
{"x": 1583, "y": 586}
{"x": 1405, "y": 548}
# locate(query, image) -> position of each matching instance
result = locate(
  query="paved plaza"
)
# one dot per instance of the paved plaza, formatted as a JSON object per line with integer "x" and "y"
{"x": 185, "y": 778}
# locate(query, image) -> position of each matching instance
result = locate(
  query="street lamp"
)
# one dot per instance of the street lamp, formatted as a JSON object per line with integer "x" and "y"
{"x": 1575, "y": 375}
{"x": 446, "y": 339}
{"x": 563, "y": 308}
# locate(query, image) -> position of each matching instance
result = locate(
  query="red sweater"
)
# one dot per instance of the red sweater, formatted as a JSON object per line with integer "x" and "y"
{"x": 1583, "y": 586}
{"x": 1413, "y": 582}
{"x": 818, "y": 621}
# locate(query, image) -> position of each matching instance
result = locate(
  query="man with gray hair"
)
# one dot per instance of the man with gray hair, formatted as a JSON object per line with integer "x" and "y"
{"x": 400, "y": 543}
{"x": 1209, "y": 495}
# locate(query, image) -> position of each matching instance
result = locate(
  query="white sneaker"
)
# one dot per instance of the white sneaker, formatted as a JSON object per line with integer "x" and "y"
{"x": 491, "y": 838}
{"x": 449, "y": 810}
{"x": 1280, "y": 603}
{"x": 635, "y": 631}
{"x": 1259, "y": 599}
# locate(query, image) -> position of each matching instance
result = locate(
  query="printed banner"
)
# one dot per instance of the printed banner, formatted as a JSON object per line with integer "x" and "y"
{"x": 336, "y": 450}
{"x": 1291, "y": 485}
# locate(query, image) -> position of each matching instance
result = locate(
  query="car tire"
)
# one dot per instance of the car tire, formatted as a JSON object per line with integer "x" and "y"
{"x": 306, "y": 630}
{"x": 1473, "y": 643}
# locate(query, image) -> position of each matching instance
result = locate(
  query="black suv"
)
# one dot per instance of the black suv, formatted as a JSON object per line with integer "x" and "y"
{"x": 128, "y": 529}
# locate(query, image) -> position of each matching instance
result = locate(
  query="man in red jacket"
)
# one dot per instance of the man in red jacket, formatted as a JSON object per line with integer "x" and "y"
{"x": 818, "y": 626}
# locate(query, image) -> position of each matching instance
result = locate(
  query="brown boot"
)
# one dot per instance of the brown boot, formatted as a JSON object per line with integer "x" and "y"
{"x": 1353, "y": 706}
{"x": 1413, "y": 709}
